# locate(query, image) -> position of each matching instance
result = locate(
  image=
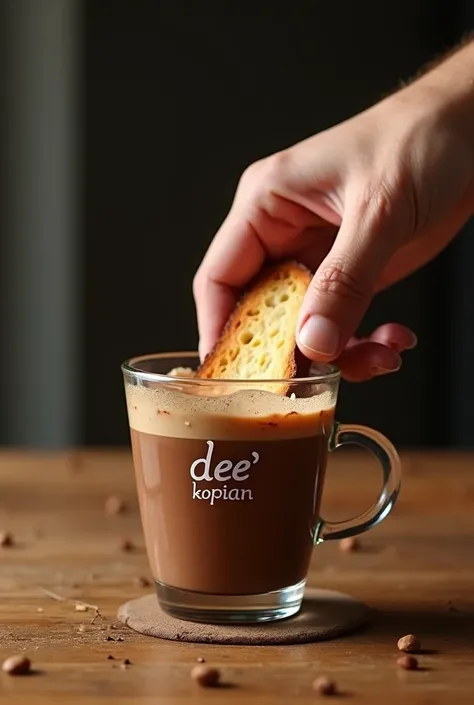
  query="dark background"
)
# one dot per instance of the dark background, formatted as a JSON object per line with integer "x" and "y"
{"x": 176, "y": 98}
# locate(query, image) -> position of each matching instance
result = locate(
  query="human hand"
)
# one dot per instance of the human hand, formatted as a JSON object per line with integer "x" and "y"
{"x": 363, "y": 205}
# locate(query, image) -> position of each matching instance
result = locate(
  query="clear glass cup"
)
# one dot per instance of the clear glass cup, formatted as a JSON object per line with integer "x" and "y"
{"x": 230, "y": 476}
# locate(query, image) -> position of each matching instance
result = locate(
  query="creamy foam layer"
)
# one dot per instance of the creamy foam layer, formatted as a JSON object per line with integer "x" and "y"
{"x": 245, "y": 414}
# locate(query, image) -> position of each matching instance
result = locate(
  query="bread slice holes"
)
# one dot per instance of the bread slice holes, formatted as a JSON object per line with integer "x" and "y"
{"x": 246, "y": 338}
{"x": 273, "y": 332}
{"x": 233, "y": 354}
{"x": 256, "y": 343}
{"x": 270, "y": 302}
{"x": 263, "y": 360}
{"x": 293, "y": 288}
{"x": 280, "y": 344}
{"x": 283, "y": 298}
{"x": 253, "y": 312}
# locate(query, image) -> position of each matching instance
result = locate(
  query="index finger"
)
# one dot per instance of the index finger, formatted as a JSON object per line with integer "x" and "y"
{"x": 234, "y": 257}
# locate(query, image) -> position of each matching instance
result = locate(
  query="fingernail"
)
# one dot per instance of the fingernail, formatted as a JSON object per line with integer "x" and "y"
{"x": 376, "y": 370}
{"x": 320, "y": 335}
{"x": 414, "y": 342}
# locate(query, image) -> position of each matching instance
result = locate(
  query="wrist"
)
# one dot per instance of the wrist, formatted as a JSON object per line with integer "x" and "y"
{"x": 447, "y": 93}
{"x": 442, "y": 101}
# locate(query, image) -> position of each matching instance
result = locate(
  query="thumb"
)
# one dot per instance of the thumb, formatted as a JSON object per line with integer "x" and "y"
{"x": 343, "y": 286}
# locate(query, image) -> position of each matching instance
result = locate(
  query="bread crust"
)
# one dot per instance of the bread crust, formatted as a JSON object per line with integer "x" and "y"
{"x": 259, "y": 340}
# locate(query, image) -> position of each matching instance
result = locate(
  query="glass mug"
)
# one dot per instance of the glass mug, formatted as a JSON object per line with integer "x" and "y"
{"x": 230, "y": 477}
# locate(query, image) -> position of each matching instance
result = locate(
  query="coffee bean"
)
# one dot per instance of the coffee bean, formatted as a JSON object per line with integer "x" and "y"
{"x": 114, "y": 505}
{"x": 205, "y": 676}
{"x": 6, "y": 539}
{"x": 324, "y": 686}
{"x": 409, "y": 643}
{"x": 17, "y": 665}
{"x": 127, "y": 545}
{"x": 349, "y": 544}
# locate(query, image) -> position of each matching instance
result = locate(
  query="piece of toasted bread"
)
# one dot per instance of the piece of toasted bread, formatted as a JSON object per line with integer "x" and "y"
{"x": 259, "y": 340}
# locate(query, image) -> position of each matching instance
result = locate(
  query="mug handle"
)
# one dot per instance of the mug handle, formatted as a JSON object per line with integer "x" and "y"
{"x": 384, "y": 451}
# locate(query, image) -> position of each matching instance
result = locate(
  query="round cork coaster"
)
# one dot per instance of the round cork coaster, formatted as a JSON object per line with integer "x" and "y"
{"x": 325, "y": 614}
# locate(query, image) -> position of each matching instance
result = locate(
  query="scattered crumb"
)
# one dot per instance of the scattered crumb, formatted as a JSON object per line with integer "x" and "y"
{"x": 81, "y": 608}
{"x": 187, "y": 423}
{"x": 114, "y": 505}
{"x": 6, "y": 539}
{"x": 324, "y": 686}
{"x": 127, "y": 545}
{"x": 109, "y": 638}
{"x": 201, "y": 659}
{"x": 127, "y": 662}
{"x": 119, "y": 638}
{"x": 142, "y": 581}
{"x": 409, "y": 663}
{"x": 409, "y": 643}
{"x": 110, "y": 657}
{"x": 206, "y": 676}
{"x": 82, "y": 628}
{"x": 349, "y": 544}
{"x": 39, "y": 609}
{"x": 17, "y": 665}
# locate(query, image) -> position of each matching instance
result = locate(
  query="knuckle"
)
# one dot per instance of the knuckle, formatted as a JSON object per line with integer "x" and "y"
{"x": 251, "y": 177}
{"x": 265, "y": 174}
{"x": 378, "y": 201}
{"x": 335, "y": 279}
{"x": 276, "y": 167}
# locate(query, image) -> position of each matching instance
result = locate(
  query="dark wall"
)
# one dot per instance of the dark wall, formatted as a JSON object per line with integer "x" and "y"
{"x": 180, "y": 98}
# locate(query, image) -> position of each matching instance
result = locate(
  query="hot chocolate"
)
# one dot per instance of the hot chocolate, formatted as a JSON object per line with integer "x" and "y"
{"x": 229, "y": 487}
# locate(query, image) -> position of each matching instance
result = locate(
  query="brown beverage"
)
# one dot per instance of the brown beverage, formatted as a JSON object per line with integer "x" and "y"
{"x": 229, "y": 487}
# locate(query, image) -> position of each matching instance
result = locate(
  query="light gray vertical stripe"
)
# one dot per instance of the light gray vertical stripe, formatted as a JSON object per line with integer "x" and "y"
{"x": 40, "y": 255}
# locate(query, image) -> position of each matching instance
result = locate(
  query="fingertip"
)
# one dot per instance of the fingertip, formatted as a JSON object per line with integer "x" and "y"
{"x": 395, "y": 336}
{"x": 367, "y": 360}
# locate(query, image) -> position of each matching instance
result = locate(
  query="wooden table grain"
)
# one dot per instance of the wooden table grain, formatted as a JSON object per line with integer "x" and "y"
{"x": 416, "y": 570}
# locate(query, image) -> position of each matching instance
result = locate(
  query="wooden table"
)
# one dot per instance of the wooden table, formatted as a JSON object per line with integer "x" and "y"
{"x": 416, "y": 569}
